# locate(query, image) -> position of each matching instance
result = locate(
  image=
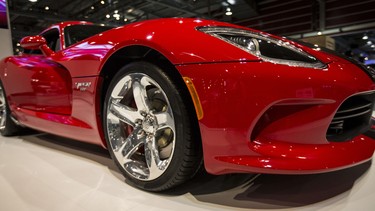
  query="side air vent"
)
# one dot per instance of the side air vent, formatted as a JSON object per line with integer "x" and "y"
{"x": 352, "y": 118}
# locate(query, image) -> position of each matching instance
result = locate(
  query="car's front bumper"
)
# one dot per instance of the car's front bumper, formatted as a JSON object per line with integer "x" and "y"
{"x": 269, "y": 118}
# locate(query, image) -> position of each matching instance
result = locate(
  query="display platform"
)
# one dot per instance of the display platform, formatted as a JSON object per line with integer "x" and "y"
{"x": 46, "y": 172}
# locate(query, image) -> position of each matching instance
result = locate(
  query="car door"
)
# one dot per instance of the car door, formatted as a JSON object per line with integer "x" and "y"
{"x": 36, "y": 82}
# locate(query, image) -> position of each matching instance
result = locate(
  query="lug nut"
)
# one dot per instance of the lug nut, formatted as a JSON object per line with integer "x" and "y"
{"x": 138, "y": 122}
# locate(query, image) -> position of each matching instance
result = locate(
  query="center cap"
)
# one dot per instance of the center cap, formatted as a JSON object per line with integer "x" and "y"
{"x": 148, "y": 124}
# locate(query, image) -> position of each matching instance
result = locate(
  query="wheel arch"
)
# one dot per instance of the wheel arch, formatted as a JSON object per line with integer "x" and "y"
{"x": 133, "y": 53}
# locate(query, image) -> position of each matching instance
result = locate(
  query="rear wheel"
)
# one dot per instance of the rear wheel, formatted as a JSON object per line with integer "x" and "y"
{"x": 148, "y": 129}
{"x": 7, "y": 126}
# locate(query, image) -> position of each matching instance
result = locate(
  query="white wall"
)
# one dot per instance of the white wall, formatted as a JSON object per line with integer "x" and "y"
{"x": 6, "y": 48}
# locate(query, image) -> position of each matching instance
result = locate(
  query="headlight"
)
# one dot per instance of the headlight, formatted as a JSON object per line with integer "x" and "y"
{"x": 267, "y": 48}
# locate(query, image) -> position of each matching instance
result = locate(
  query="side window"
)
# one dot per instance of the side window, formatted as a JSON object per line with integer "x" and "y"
{"x": 77, "y": 33}
{"x": 33, "y": 52}
{"x": 53, "y": 39}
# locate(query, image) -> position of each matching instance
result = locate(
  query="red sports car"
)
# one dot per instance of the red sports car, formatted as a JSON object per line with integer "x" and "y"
{"x": 165, "y": 96}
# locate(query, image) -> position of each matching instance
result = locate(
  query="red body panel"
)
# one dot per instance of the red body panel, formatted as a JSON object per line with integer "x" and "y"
{"x": 37, "y": 83}
{"x": 237, "y": 91}
{"x": 302, "y": 101}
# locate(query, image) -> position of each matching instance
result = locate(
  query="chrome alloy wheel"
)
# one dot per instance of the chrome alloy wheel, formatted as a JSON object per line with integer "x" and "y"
{"x": 3, "y": 110}
{"x": 141, "y": 126}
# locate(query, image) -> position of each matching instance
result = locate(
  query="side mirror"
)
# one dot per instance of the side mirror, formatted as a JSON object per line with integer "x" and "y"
{"x": 33, "y": 42}
{"x": 36, "y": 43}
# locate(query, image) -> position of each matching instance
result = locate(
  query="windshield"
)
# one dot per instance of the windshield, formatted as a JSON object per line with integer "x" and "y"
{"x": 77, "y": 33}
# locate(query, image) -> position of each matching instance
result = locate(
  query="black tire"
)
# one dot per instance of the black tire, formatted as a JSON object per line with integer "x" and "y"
{"x": 183, "y": 155}
{"x": 7, "y": 126}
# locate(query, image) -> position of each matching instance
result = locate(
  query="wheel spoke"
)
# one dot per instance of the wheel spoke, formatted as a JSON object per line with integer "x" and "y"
{"x": 2, "y": 121}
{"x": 121, "y": 88}
{"x": 165, "y": 120}
{"x": 3, "y": 112}
{"x": 155, "y": 165}
{"x": 135, "y": 142}
{"x": 124, "y": 113}
{"x": 140, "y": 96}
{"x": 129, "y": 146}
{"x": 2, "y": 100}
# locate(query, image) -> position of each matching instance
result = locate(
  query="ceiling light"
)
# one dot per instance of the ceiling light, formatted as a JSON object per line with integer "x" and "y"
{"x": 33, "y": 0}
{"x": 102, "y": 2}
{"x": 116, "y": 16}
{"x": 369, "y": 42}
{"x": 365, "y": 37}
{"x": 125, "y": 19}
{"x": 116, "y": 11}
{"x": 18, "y": 44}
{"x": 372, "y": 46}
{"x": 319, "y": 33}
{"x": 228, "y": 12}
{"x": 232, "y": 2}
{"x": 102, "y": 24}
{"x": 46, "y": 8}
{"x": 130, "y": 10}
{"x": 92, "y": 7}
{"x": 107, "y": 16}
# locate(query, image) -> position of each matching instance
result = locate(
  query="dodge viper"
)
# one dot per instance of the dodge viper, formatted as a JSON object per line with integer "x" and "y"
{"x": 170, "y": 96}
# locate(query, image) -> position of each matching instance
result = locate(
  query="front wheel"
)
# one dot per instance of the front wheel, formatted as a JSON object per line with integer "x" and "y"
{"x": 148, "y": 129}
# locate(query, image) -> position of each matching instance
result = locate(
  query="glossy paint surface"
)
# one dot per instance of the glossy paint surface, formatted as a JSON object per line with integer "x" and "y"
{"x": 32, "y": 42}
{"x": 61, "y": 93}
{"x": 302, "y": 102}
